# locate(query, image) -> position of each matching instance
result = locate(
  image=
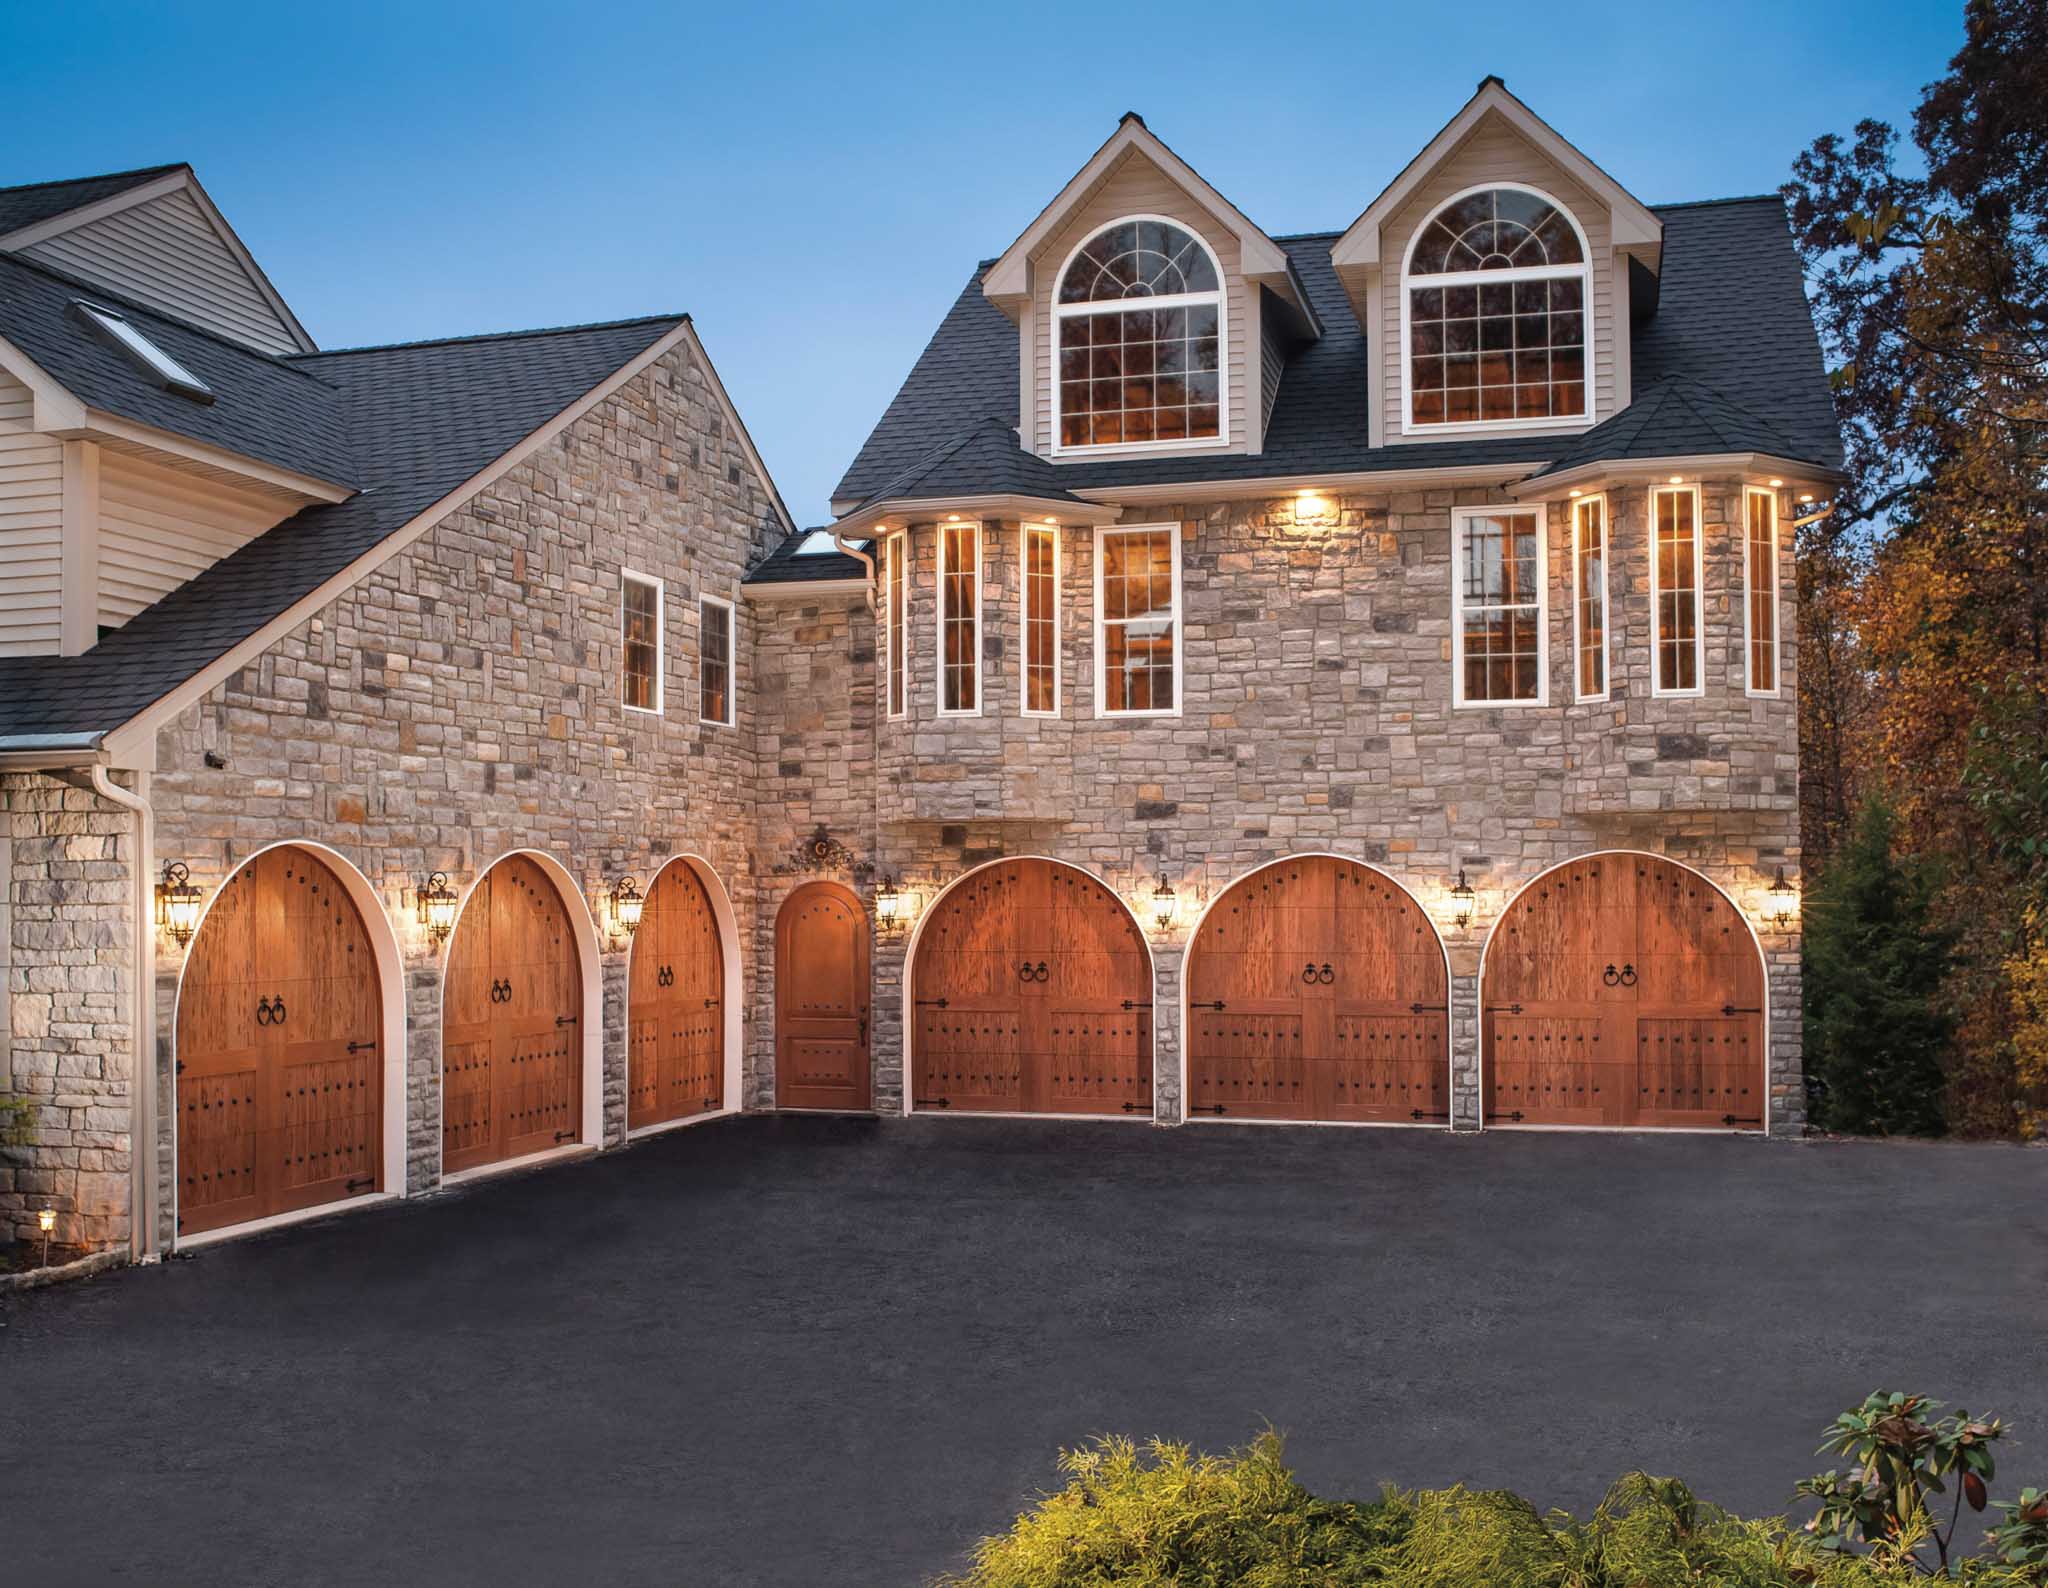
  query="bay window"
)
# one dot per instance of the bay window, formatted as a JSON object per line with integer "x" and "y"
{"x": 1499, "y": 649}
{"x": 1137, "y": 621}
{"x": 959, "y": 618}
{"x": 1039, "y": 580}
{"x": 1760, "y": 591}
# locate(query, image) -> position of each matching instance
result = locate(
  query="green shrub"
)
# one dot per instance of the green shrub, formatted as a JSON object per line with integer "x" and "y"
{"x": 1162, "y": 1516}
{"x": 17, "y": 1120}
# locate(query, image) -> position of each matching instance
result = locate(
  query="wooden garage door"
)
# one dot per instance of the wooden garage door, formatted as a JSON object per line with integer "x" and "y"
{"x": 1316, "y": 990}
{"x": 1624, "y": 990}
{"x": 511, "y": 1036}
{"x": 280, "y": 1082}
{"x": 821, "y": 999}
{"x": 675, "y": 1036}
{"x": 1032, "y": 993}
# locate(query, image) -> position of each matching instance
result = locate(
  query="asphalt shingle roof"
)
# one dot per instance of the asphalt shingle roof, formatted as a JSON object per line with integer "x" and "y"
{"x": 32, "y": 203}
{"x": 1732, "y": 315}
{"x": 784, "y": 566}
{"x": 276, "y": 410}
{"x": 417, "y": 420}
{"x": 1671, "y": 419}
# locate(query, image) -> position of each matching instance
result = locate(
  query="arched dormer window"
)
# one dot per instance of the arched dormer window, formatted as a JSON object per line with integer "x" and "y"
{"x": 1496, "y": 290}
{"x": 1138, "y": 338}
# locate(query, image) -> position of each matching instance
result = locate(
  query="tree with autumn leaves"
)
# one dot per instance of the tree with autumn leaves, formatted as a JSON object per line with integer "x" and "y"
{"x": 1924, "y": 597}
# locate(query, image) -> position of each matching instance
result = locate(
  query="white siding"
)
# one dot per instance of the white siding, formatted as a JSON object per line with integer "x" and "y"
{"x": 167, "y": 254}
{"x": 31, "y": 527}
{"x": 1135, "y": 186}
{"x": 1494, "y": 152}
{"x": 160, "y": 527}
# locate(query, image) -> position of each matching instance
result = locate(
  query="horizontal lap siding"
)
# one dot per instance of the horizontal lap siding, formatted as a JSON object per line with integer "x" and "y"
{"x": 1137, "y": 187}
{"x": 167, "y": 254}
{"x": 160, "y": 527}
{"x": 31, "y": 527}
{"x": 1494, "y": 153}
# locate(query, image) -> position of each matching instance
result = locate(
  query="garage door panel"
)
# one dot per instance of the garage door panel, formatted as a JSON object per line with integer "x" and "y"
{"x": 1701, "y": 1071}
{"x": 676, "y": 1008}
{"x": 1249, "y": 1061}
{"x": 331, "y": 1121}
{"x": 970, "y": 1059}
{"x": 1098, "y": 1062}
{"x": 1558, "y": 1069}
{"x": 1388, "y": 1067}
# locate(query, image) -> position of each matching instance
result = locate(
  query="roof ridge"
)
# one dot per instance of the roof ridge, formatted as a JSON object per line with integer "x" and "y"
{"x": 137, "y": 306}
{"x": 1708, "y": 203}
{"x": 98, "y": 176}
{"x": 678, "y": 318}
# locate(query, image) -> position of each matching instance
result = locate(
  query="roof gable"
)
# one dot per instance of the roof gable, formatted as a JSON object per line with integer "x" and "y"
{"x": 32, "y": 203}
{"x": 1635, "y": 225}
{"x": 1007, "y": 281}
{"x": 159, "y": 239}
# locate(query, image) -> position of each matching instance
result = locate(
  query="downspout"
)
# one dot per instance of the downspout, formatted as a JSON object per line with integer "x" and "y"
{"x": 867, "y": 558}
{"x": 142, "y": 1153}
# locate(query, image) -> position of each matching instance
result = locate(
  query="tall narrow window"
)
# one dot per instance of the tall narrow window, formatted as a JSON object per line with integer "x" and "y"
{"x": 896, "y": 649}
{"x": 641, "y": 642}
{"x": 959, "y": 619}
{"x": 1039, "y": 565}
{"x": 714, "y": 661}
{"x": 1760, "y": 591}
{"x": 1137, "y": 607}
{"x": 1675, "y": 588}
{"x": 1497, "y": 632}
{"x": 1589, "y": 593}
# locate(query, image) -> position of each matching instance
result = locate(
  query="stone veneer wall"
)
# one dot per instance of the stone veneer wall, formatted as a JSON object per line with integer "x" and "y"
{"x": 1318, "y": 716}
{"x": 464, "y": 700}
{"x": 66, "y": 958}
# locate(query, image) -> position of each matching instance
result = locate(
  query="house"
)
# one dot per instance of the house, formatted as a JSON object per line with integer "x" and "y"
{"x": 1340, "y": 677}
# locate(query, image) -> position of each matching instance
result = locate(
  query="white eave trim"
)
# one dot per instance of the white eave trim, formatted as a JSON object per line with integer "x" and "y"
{"x": 897, "y": 511}
{"x": 169, "y": 182}
{"x": 1287, "y": 484}
{"x": 1693, "y": 464}
{"x": 56, "y": 409}
{"x": 1634, "y": 225}
{"x": 102, "y": 426}
{"x": 138, "y": 733}
{"x": 1264, "y": 262}
{"x": 770, "y": 591}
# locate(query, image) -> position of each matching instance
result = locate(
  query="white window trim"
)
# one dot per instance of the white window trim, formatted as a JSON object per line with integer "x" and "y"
{"x": 1180, "y": 626}
{"x": 1579, "y": 600}
{"x": 896, "y": 588}
{"x": 1562, "y": 426}
{"x": 1749, "y": 600}
{"x": 1025, "y": 530}
{"x": 1460, "y": 518}
{"x": 939, "y": 621}
{"x": 634, "y": 576}
{"x": 1699, "y": 595}
{"x": 732, "y": 661}
{"x": 1176, "y": 300}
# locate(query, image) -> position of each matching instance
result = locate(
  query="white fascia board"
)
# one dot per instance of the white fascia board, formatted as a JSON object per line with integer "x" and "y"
{"x": 137, "y": 736}
{"x": 770, "y": 592}
{"x": 1634, "y": 225}
{"x": 1289, "y": 484}
{"x": 57, "y": 412}
{"x": 1659, "y": 470}
{"x": 100, "y": 425}
{"x": 898, "y": 511}
{"x": 1007, "y": 282}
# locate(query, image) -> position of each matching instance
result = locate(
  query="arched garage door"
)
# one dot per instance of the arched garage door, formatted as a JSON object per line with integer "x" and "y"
{"x": 675, "y": 1039}
{"x": 1317, "y": 991}
{"x": 1622, "y": 989}
{"x": 1032, "y": 993}
{"x": 511, "y": 1037}
{"x": 280, "y": 1084}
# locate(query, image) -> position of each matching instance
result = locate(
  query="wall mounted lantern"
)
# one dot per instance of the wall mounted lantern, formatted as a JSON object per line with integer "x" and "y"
{"x": 1165, "y": 905}
{"x": 1462, "y": 900}
{"x": 894, "y": 904}
{"x": 436, "y": 902}
{"x": 177, "y": 902}
{"x": 1312, "y": 508}
{"x": 626, "y": 905}
{"x": 1782, "y": 901}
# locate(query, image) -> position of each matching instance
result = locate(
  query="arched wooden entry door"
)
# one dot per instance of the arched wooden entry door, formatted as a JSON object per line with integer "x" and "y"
{"x": 821, "y": 999}
{"x": 279, "y": 1079}
{"x": 675, "y": 1003}
{"x": 1032, "y": 993}
{"x": 512, "y": 1012}
{"x": 1317, "y": 991}
{"x": 1622, "y": 989}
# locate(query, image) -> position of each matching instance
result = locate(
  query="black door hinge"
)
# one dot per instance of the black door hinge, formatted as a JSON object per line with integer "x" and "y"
{"x": 1421, "y": 1009}
{"x": 566, "y": 1020}
{"x": 1731, "y": 1009}
{"x": 1733, "y": 1119}
{"x": 564, "y": 1135}
{"x": 1132, "y": 1003}
{"x": 362, "y": 1182}
{"x": 1206, "y": 1108}
{"x": 1503, "y": 1009}
{"x": 931, "y": 1102}
{"x": 1217, "y": 1006}
{"x": 1137, "y": 1108}
{"x": 934, "y": 1003}
{"x": 1423, "y": 1113}
{"x": 362, "y": 1047}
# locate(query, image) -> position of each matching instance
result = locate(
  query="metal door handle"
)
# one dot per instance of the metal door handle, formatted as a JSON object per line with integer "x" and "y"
{"x": 1628, "y": 975}
{"x": 1326, "y": 975}
{"x": 1610, "y": 976}
{"x": 264, "y": 1016}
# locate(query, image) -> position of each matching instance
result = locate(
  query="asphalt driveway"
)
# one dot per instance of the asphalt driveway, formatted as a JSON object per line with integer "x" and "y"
{"x": 816, "y": 1351}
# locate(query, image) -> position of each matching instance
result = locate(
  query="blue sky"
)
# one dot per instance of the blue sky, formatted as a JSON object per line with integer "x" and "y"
{"x": 815, "y": 184}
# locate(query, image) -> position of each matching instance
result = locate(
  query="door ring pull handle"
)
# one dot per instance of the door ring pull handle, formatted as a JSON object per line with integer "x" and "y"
{"x": 1628, "y": 975}
{"x": 1308, "y": 972}
{"x": 1326, "y": 975}
{"x": 1610, "y": 976}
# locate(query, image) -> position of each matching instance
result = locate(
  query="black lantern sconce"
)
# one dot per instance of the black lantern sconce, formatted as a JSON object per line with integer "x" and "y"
{"x": 626, "y": 904}
{"x": 177, "y": 902}
{"x": 1782, "y": 901}
{"x": 1462, "y": 900}
{"x": 436, "y": 903}
{"x": 1165, "y": 904}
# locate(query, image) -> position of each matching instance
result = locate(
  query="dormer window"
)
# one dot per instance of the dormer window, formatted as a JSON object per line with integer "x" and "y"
{"x": 1138, "y": 334}
{"x": 1495, "y": 300}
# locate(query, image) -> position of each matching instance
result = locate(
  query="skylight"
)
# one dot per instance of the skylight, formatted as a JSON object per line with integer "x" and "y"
{"x": 152, "y": 359}
{"x": 819, "y": 543}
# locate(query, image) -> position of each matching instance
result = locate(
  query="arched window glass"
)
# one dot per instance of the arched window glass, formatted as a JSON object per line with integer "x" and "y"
{"x": 1146, "y": 370}
{"x": 1498, "y": 290}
